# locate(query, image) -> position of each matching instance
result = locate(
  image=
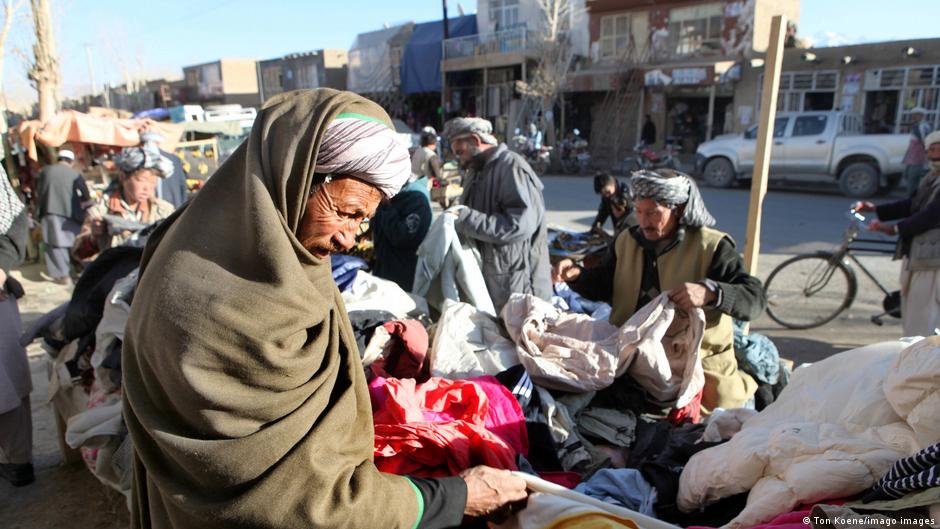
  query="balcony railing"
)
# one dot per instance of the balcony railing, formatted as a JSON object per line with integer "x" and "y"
{"x": 506, "y": 41}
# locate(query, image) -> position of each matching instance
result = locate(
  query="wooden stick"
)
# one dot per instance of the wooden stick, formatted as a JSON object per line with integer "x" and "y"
{"x": 765, "y": 135}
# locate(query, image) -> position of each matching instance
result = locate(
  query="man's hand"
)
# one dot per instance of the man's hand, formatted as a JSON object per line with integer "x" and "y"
{"x": 862, "y": 207}
{"x": 565, "y": 271}
{"x": 692, "y": 296}
{"x": 454, "y": 210}
{"x": 489, "y": 489}
{"x": 883, "y": 227}
{"x": 3, "y": 281}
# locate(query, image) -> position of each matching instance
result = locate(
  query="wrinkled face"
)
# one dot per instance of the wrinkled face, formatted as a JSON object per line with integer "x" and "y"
{"x": 139, "y": 185}
{"x": 933, "y": 152}
{"x": 334, "y": 213}
{"x": 655, "y": 220}
{"x": 608, "y": 191}
{"x": 465, "y": 149}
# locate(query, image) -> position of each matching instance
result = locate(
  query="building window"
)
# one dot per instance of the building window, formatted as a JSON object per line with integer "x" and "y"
{"x": 272, "y": 79}
{"x": 917, "y": 86}
{"x": 615, "y": 34}
{"x": 504, "y": 14}
{"x": 696, "y": 28}
{"x": 805, "y": 91}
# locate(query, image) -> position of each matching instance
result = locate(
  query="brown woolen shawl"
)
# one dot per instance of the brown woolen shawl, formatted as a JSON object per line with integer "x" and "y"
{"x": 245, "y": 397}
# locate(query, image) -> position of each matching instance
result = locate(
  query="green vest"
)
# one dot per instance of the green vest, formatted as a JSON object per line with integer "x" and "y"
{"x": 688, "y": 262}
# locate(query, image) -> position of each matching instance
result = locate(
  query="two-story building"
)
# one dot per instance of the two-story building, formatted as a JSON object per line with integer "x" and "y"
{"x": 480, "y": 71}
{"x": 882, "y": 81}
{"x": 674, "y": 62}
{"x": 225, "y": 81}
{"x": 322, "y": 68}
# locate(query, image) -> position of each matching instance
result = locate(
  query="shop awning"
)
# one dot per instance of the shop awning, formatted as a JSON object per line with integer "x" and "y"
{"x": 421, "y": 62}
{"x": 72, "y": 126}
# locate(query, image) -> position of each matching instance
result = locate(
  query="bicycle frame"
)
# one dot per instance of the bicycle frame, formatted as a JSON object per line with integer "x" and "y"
{"x": 851, "y": 245}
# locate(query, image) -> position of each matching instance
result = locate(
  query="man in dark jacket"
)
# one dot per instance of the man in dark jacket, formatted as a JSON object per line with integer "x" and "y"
{"x": 615, "y": 204}
{"x": 398, "y": 228}
{"x": 674, "y": 249}
{"x": 502, "y": 211}
{"x": 63, "y": 197}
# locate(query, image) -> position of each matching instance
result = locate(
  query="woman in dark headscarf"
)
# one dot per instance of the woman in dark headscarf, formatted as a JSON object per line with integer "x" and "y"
{"x": 132, "y": 204}
{"x": 246, "y": 399}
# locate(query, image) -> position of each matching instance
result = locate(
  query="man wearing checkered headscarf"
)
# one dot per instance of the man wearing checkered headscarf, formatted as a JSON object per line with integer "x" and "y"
{"x": 674, "y": 249}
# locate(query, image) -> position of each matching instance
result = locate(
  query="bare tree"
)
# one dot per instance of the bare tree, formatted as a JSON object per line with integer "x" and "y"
{"x": 9, "y": 14}
{"x": 45, "y": 69}
{"x": 554, "y": 53}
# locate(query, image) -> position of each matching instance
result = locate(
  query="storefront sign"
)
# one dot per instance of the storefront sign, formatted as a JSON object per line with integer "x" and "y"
{"x": 657, "y": 78}
{"x": 852, "y": 84}
{"x": 657, "y": 103}
{"x": 690, "y": 76}
{"x": 679, "y": 76}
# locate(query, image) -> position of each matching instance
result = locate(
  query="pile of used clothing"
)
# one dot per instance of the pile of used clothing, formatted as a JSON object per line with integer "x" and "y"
{"x": 607, "y": 425}
{"x": 604, "y": 422}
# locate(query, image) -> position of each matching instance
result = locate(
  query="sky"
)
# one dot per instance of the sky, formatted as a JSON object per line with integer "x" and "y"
{"x": 159, "y": 38}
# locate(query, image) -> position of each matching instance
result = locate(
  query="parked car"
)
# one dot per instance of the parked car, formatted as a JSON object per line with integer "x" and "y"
{"x": 816, "y": 146}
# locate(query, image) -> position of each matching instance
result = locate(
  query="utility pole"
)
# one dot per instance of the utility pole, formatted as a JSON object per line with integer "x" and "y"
{"x": 446, "y": 27}
{"x": 91, "y": 70}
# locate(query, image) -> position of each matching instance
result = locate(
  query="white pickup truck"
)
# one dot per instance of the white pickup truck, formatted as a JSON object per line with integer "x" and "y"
{"x": 810, "y": 146}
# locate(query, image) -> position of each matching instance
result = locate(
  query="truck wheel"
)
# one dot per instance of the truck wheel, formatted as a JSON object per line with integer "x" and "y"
{"x": 719, "y": 172}
{"x": 859, "y": 180}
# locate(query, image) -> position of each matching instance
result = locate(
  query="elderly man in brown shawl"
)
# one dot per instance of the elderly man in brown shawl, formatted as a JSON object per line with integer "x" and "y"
{"x": 245, "y": 396}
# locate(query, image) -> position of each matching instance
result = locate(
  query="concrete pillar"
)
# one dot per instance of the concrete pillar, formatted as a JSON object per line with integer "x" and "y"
{"x": 711, "y": 112}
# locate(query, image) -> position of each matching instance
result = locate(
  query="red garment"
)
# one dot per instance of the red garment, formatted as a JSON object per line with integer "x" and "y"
{"x": 790, "y": 520}
{"x": 437, "y": 428}
{"x": 569, "y": 480}
{"x": 691, "y": 412}
{"x": 504, "y": 417}
{"x": 407, "y": 352}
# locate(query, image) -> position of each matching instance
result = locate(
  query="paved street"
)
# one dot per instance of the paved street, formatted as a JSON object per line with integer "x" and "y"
{"x": 794, "y": 222}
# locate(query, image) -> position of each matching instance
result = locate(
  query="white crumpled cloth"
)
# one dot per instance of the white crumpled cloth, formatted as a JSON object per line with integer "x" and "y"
{"x": 658, "y": 347}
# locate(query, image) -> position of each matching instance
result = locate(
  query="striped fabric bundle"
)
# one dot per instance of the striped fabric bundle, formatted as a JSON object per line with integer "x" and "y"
{"x": 918, "y": 472}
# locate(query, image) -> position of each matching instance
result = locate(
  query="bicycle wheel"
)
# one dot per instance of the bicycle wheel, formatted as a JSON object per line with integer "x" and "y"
{"x": 808, "y": 291}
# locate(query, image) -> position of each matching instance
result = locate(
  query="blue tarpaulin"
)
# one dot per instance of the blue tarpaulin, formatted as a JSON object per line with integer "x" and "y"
{"x": 421, "y": 62}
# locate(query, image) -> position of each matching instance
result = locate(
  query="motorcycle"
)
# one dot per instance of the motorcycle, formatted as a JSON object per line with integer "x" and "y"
{"x": 645, "y": 158}
{"x": 539, "y": 159}
{"x": 575, "y": 158}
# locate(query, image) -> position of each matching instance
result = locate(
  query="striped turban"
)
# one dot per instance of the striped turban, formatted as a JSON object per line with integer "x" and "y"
{"x": 365, "y": 148}
{"x": 672, "y": 188}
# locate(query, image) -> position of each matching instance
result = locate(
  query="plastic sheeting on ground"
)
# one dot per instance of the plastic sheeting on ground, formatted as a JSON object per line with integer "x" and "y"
{"x": 442, "y": 427}
{"x": 447, "y": 270}
{"x": 836, "y": 428}
{"x": 469, "y": 343}
{"x": 658, "y": 346}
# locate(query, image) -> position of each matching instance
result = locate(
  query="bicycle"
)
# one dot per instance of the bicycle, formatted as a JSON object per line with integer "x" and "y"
{"x": 810, "y": 290}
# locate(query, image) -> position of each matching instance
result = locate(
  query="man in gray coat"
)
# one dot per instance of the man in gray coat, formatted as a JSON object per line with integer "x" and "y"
{"x": 502, "y": 211}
